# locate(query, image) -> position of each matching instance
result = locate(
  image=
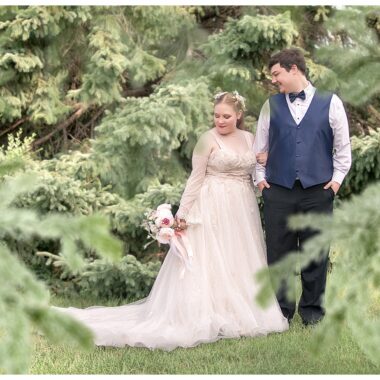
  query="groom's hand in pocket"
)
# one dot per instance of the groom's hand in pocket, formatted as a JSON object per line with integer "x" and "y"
{"x": 334, "y": 185}
{"x": 263, "y": 184}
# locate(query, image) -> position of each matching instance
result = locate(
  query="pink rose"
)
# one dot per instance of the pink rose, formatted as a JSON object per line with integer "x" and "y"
{"x": 164, "y": 216}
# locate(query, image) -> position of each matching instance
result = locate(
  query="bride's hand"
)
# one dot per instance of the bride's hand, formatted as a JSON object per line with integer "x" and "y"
{"x": 262, "y": 158}
{"x": 180, "y": 224}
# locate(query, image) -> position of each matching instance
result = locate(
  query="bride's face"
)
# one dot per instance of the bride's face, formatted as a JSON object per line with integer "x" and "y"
{"x": 225, "y": 118}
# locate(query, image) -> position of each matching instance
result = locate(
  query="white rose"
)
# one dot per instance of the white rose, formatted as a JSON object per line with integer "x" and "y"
{"x": 164, "y": 206}
{"x": 164, "y": 235}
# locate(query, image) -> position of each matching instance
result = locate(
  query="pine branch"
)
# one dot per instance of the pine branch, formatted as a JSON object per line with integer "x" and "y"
{"x": 84, "y": 131}
{"x": 138, "y": 92}
{"x": 14, "y": 126}
{"x": 373, "y": 111}
{"x": 95, "y": 117}
{"x": 75, "y": 116}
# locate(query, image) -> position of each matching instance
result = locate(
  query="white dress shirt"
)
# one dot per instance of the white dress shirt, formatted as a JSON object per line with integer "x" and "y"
{"x": 338, "y": 122}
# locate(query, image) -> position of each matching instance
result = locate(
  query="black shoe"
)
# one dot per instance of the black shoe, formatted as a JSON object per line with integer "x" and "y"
{"x": 313, "y": 322}
{"x": 288, "y": 314}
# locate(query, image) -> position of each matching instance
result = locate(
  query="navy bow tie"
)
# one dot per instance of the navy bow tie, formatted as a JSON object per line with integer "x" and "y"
{"x": 294, "y": 95}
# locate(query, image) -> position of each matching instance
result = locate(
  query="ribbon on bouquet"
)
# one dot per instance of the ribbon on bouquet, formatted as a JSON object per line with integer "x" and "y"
{"x": 181, "y": 247}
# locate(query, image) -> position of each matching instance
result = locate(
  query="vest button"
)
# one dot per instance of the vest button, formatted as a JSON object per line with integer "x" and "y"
{"x": 297, "y": 155}
{"x": 298, "y": 142}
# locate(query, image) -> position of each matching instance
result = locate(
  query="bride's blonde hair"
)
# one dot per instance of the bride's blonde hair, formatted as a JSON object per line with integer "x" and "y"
{"x": 236, "y": 101}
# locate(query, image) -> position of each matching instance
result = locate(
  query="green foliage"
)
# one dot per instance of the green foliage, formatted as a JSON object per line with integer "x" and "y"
{"x": 149, "y": 130}
{"x": 154, "y": 24}
{"x": 15, "y": 155}
{"x": 322, "y": 14}
{"x": 23, "y": 299}
{"x": 47, "y": 106}
{"x": 22, "y": 224}
{"x": 24, "y": 303}
{"x": 58, "y": 191}
{"x": 128, "y": 279}
{"x": 71, "y": 185}
{"x": 253, "y": 37}
{"x": 321, "y": 76}
{"x": 10, "y": 105}
{"x": 56, "y": 57}
{"x": 31, "y": 84}
{"x": 159, "y": 37}
{"x": 103, "y": 77}
{"x": 238, "y": 55}
{"x": 23, "y": 62}
{"x": 365, "y": 167}
{"x": 26, "y": 23}
{"x": 354, "y": 54}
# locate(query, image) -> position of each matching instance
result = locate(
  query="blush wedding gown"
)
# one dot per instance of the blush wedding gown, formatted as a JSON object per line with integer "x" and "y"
{"x": 215, "y": 296}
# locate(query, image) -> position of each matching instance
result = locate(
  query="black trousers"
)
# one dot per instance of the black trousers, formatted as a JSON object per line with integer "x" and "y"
{"x": 279, "y": 204}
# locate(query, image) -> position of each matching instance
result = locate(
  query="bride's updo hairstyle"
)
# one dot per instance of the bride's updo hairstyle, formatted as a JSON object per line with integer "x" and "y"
{"x": 236, "y": 101}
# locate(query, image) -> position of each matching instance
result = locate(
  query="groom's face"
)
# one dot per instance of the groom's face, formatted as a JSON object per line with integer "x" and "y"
{"x": 282, "y": 78}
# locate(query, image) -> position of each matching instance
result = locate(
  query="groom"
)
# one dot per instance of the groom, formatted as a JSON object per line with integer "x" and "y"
{"x": 306, "y": 135}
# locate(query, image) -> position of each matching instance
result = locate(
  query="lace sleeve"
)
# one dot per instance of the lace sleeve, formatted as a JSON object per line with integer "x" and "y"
{"x": 199, "y": 164}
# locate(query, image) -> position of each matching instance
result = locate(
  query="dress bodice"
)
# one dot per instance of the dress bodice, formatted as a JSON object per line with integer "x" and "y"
{"x": 223, "y": 163}
{"x": 227, "y": 164}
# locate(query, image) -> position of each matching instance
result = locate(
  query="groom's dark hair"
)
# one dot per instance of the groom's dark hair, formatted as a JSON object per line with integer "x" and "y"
{"x": 287, "y": 58}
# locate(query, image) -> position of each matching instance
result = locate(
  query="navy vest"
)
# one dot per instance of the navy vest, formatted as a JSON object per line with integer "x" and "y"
{"x": 304, "y": 150}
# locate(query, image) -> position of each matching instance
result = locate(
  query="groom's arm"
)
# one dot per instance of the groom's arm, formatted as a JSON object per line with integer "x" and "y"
{"x": 342, "y": 145}
{"x": 262, "y": 140}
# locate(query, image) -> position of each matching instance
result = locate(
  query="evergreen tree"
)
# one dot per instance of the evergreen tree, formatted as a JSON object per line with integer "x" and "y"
{"x": 118, "y": 96}
{"x": 24, "y": 300}
{"x": 352, "y": 50}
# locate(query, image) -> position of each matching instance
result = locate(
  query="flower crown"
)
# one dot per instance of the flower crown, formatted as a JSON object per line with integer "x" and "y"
{"x": 235, "y": 95}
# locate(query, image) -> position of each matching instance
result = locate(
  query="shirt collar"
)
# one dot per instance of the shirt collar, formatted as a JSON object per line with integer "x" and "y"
{"x": 309, "y": 90}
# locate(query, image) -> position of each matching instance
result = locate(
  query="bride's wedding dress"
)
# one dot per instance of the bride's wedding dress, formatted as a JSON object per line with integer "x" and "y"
{"x": 215, "y": 297}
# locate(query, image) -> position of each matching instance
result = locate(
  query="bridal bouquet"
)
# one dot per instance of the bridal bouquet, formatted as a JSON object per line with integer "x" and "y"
{"x": 160, "y": 222}
{"x": 160, "y": 226}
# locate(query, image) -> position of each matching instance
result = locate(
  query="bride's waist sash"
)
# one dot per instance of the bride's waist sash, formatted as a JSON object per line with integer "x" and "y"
{"x": 244, "y": 177}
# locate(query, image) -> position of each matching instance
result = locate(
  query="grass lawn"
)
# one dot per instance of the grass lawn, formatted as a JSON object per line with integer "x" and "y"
{"x": 285, "y": 353}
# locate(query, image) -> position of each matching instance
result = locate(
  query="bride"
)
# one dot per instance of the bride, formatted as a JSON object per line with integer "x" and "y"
{"x": 215, "y": 298}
